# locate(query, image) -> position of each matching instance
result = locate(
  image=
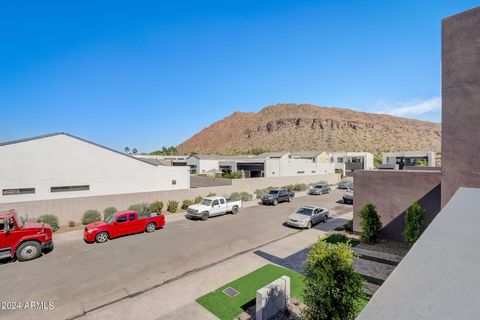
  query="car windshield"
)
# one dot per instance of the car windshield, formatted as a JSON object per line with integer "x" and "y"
{"x": 273, "y": 192}
{"x": 109, "y": 219}
{"x": 305, "y": 211}
{"x": 19, "y": 221}
{"x": 207, "y": 202}
{"x": 318, "y": 186}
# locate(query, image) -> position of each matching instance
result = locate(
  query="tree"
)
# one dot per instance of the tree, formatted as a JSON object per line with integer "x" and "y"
{"x": 377, "y": 159}
{"x": 134, "y": 151}
{"x": 127, "y": 149}
{"x": 370, "y": 224}
{"x": 332, "y": 289}
{"x": 421, "y": 163}
{"x": 413, "y": 223}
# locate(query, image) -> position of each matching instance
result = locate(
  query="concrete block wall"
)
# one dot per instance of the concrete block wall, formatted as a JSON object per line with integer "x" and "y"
{"x": 272, "y": 298}
{"x": 72, "y": 209}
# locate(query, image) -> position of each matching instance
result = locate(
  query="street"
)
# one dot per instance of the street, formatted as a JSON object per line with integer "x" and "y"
{"x": 80, "y": 277}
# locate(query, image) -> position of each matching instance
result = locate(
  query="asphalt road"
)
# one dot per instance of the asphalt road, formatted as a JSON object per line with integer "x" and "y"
{"x": 77, "y": 276}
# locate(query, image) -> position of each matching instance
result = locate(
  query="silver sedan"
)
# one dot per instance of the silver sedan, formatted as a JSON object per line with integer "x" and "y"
{"x": 307, "y": 216}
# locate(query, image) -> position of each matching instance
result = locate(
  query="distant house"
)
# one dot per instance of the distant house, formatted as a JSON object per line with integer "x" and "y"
{"x": 347, "y": 161}
{"x": 60, "y": 165}
{"x": 409, "y": 158}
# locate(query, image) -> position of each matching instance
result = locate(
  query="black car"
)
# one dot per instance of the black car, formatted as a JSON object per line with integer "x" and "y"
{"x": 276, "y": 196}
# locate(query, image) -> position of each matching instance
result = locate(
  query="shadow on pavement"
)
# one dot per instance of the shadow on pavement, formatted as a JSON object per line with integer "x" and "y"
{"x": 294, "y": 261}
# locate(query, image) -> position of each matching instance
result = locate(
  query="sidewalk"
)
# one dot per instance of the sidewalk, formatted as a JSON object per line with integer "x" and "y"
{"x": 176, "y": 300}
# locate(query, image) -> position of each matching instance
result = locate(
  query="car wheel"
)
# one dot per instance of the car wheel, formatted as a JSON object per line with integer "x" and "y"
{"x": 150, "y": 227}
{"x": 205, "y": 216}
{"x": 289, "y": 199}
{"x": 309, "y": 224}
{"x": 28, "y": 251}
{"x": 275, "y": 202}
{"x": 101, "y": 237}
{"x": 235, "y": 210}
{"x": 325, "y": 219}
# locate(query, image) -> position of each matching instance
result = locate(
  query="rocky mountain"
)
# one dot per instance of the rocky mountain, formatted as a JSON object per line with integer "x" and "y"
{"x": 300, "y": 127}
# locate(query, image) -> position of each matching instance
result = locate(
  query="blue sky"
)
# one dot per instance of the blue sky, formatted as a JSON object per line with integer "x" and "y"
{"x": 147, "y": 74}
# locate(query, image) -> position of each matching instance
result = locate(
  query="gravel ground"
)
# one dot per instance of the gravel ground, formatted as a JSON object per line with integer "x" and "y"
{"x": 293, "y": 312}
{"x": 386, "y": 246}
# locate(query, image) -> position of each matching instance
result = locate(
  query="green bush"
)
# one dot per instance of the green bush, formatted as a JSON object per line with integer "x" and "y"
{"x": 244, "y": 196}
{"x": 90, "y": 216}
{"x": 261, "y": 192}
{"x": 296, "y": 187}
{"x": 172, "y": 206}
{"x": 413, "y": 223}
{"x": 332, "y": 289}
{"x": 71, "y": 224}
{"x": 156, "y": 206}
{"x": 370, "y": 224}
{"x": 186, "y": 203}
{"x": 211, "y": 194}
{"x": 229, "y": 175}
{"x": 140, "y": 208}
{"x": 108, "y": 212}
{"x": 319, "y": 182}
{"x": 349, "y": 226}
{"x": 50, "y": 219}
{"x": 198, "y": 199}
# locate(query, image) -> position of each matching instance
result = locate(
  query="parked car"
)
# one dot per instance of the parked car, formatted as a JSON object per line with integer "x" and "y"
{"x": 24, "y": 241}
{"x": 213, "y": 206}
{"x": 121, "y": 224}
{"x": 307, "y": 216}
{"x": 275, "y": 196}
{"x": 348, "y": 195}
{"x": 344, "y": 184}
{"x": 319, "y": 189}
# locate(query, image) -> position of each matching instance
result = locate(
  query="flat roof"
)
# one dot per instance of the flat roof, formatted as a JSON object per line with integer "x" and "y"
{"x": 438, "y": 278}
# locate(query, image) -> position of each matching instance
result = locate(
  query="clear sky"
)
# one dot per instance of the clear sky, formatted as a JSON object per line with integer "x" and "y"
{"x": 148, "y": 74}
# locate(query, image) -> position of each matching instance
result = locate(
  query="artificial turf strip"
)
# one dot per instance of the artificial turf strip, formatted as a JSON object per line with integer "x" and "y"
{"x": 227, "y": 308}
{"x": 334, "y": 239}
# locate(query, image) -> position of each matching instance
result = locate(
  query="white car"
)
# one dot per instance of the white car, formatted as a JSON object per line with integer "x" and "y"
{"x": 348, "y": 195}
{"x": 213, "y": 206}
{"x": 307, "y": 216}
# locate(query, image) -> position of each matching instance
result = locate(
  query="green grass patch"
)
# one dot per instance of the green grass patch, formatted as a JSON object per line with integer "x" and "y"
{"x": 362, "y": 303}
{"x": 336, "y": 238}
{"x": 227, "y": 308}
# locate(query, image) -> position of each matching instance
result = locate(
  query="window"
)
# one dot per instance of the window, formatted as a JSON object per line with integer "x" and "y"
{"x": 69, "y": 188}
{"x": 300, "y": 172}
{"x": 9, "y": 192}
{"x": 313, "y": 171}
{"x": 122, "y": 218}
{"x": 340, "y": 160}
{"x": 222, "y": 201}
{"x": 131, "y": 216}
{"x": 215, "y": 203}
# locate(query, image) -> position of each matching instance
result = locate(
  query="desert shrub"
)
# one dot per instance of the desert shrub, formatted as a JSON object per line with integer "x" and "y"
{"x": 349, "y": 226}
{"x": 229, "y": 175}
{"x": 413, "y": 223}
{"x": 186, "y": 203}
{"x": 244, "y": 196}
{"x": 198, "y": 199}
{"x": 261, "y": 192}
{"x": 370, "y": 223}
{"x": 332, "y": 289}
{"x": 211, "y": 194}
{"x": 140, "y": 208}
{"x": 172, "y": 206}
{"x": 90, "y": 216}
{"x": 50, "y": 219}
{"x": 108, "y": 212}
{"x": 319, "y": 182}
{"x": 71, "y": 224}
{"x": 156, "y": 206}
{"x": 300, "y": 187}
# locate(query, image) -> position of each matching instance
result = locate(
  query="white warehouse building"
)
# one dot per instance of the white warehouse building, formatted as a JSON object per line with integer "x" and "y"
{"x": 60, "y": 165}
{"x": 280, "y": 164}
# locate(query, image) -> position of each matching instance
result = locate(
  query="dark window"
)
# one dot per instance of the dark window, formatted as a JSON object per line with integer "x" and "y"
{"x": 2, "y": 224}
{"x": 122, "y": 219}
{"x": 8, "y": 192}
{"x": 300, "y": 172}
{"x": 132, "y": 216}
{"x": 222, "y": 201}
{"x": 69, "y": 188}
{"x": 313, "y": 171}
{"x": 215, "y": 203}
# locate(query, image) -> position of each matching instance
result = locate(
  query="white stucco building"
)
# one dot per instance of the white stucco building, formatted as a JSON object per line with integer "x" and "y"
{"x": 274, "y": 164}
{"x": 347, "y": 161}
{"x": 409, "y": 158}
{"x": 60, "y": 165}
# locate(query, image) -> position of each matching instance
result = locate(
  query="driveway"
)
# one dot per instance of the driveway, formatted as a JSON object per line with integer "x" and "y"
{"x": 80, "y": 277}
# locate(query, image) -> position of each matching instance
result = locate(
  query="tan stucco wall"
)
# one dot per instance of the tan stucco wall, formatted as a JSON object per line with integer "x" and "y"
{"x": 73, "y": 208}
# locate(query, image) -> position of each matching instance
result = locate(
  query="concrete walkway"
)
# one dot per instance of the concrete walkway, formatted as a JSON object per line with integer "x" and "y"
{"x": 176, "y": 300}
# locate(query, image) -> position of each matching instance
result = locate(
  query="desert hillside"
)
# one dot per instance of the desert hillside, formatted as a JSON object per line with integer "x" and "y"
{"x": 299, "y": 127}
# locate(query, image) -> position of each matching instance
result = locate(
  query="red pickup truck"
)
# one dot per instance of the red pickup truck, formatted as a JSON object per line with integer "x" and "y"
{"x": 24, "y": 241}
{"x": 121, "y": 224}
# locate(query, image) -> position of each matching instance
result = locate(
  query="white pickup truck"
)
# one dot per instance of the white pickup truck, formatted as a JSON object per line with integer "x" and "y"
{"x": 213, "y": 206}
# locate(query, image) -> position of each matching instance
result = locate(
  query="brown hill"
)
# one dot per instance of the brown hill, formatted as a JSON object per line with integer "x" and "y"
{"x": 299, "y": 127}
